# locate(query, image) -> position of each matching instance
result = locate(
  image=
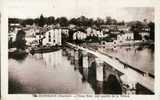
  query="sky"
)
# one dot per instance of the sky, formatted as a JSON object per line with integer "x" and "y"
{"x": 76, "y": 8}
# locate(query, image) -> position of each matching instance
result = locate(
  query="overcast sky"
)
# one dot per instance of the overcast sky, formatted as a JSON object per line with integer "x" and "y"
{"x": 76, "y": 8}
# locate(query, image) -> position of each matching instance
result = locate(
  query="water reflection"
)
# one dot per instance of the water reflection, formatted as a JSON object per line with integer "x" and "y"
{"x": 45, "y": 73}
{"x": 63, "y": 72}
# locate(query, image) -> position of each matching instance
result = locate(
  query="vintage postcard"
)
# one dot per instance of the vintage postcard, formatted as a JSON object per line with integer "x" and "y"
{"x": 80, "y": 49}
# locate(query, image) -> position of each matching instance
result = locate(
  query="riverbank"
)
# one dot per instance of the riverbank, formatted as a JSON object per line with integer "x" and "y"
{"x": 113, "y": 45}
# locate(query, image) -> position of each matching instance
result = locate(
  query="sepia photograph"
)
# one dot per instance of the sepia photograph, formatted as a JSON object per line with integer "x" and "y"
{"x": 79, "y": 48}
{"x": 0, "y": 54}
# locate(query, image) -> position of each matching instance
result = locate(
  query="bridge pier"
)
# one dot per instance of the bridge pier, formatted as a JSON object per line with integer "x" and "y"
{"x": 91, "y": 59}
{"x": 72, "y": 56}
{"x": 64, "y": 52}
{"x": 76, "y": 54}
{"x": 128, "y": 85}
{"x": 68, "y": 53}
{"x": 85, "y": 59}
{"x": 85, "y": 74}
{"x": 85, "y": 64}
{"x": 131, "y": 89}
{"x": 99, "y": 75}
{"x": 99, "y": 70}
{"x": 76, "y": 58}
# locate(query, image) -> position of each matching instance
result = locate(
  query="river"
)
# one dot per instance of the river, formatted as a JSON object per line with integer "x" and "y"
{"x": 56, "y": 73}
{"x": 46, "y": 73}
{"x": 140, "y": 58}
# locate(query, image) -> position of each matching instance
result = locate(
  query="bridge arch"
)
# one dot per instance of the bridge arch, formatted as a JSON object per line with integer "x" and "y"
{"x": 112, "y": 85}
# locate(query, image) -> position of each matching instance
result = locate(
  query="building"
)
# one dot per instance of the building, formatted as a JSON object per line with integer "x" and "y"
{"x": 124, "y": 37}
{"x": 14, "y": 27}
{"x": 12, "y": 36}
{"x": 89, "y": 30}
{"x": 52, "y": 37}
{"x": 145, "y": 28}
{"x": 79, "y": 35}
{"x": 94, "y": 32}
{"x": 144, "y": 35}
{"x": 123, "y": 28}
{"x": 100, "y": 34}
{"x": 65, "y": 31}
{"x": 116, "y": 32}
{"x": 38, "y": 37}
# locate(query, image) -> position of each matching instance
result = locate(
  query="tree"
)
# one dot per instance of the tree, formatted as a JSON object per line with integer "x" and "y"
{"x": 137, "y": 36}
{"x": 50, "y": 20}
{"x": 99, "y": 22}
{"x": 73, "y": 21}
{"x": 151, "y": 26}
{"x": 14, "y": 20}
{"x": 10, "y": 43}
{"x": 41, "y": 21}
{"x": 63, "y": 21}
{"x": 27, "y": 22}
{"x": 136, "y": 27}
{"x": 20, "y": 42}
{"x": 36, "y": 21}
{"x": 90, "y": 22}
{"x": 108, "y": 20}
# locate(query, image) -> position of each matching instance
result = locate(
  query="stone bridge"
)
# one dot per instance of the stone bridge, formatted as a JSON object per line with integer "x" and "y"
{"x": 110, "y": 72}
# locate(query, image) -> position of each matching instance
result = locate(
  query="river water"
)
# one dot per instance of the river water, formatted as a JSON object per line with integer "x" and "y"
{"x": 55, "y": 72}
{"x": 142, "y": 59}
{"x": 46, "y": 73}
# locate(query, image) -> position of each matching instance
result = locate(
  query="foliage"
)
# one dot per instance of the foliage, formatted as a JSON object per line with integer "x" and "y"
{"x": 152, "y": 32}
{"x": 20, "y": 42}
{"x": 63, "y": 21}
{"x": 92, "y": 39}
{"x": 41, "y": 21}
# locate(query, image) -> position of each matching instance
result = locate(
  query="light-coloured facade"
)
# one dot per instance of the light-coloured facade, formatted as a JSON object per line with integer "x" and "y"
{"x": 65, "y": 31}
{"x": 123, "y": 28}
{"x": 143, "y": 34}
{"x": 94, "y": 32}
{"x": 127, "y": 36}
{"x": 52, "y": 37}
{"x": 79, "y": 35}
{"x": 12, "y": 36}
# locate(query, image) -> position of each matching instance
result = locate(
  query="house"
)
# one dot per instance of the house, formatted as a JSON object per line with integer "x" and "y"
{"x": 105, "y": 28}
{"x": 79, "y": 35}
{"x": 38, "y": 37}
{"x": 89, "y": 30}
{"x": 12, "y": 36}
{"x": 14, "y": 27}
{"x": 94, "y": 32}
{"x": 145, "y": 28}
{"x": 65, "y": 31}
{"x": 100, "y": 34}
{"x": 123, "y": 28}
{"x": 127, "y": 36}
{"x": 52, "y": 37}
{"x": 144, "y": 35}
{"x": 72, "y": 26}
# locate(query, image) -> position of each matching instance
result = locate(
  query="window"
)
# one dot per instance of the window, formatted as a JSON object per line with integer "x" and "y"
{"x": 49, "y": 37}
